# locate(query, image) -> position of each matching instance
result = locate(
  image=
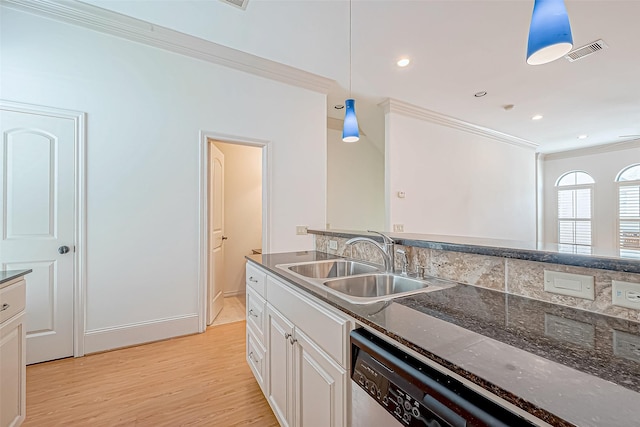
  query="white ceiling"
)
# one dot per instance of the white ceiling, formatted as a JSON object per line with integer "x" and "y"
{"x": 457, "y": 49}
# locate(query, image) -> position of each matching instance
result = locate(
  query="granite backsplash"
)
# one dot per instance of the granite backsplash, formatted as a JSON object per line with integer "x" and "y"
{"x": 512, "y": 276}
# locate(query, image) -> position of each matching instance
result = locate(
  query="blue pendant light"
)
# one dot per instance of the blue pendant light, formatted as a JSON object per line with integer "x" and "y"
{"x": 350, "y": 131}
{"x": 550, "y": 33}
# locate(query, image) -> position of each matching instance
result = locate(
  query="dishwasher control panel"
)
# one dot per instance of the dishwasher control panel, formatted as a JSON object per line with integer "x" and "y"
{"x": 369, "y": 374}
{"x": 418, "y": 395}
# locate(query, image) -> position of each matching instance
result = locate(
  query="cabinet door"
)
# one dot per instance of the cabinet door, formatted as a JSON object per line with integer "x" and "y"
{"x": 12, "y": 372}
{"x": 280, "y": 366}
{"x": 320, "y": 386}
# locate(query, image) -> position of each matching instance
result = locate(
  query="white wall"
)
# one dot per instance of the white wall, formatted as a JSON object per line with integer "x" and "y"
{"x": 145, "y": 109}
{"x": 242, "y": 211}
{"x": 355, "y": 184}
{"x": 458, "y": 183}
{"x": 603, "y": 166}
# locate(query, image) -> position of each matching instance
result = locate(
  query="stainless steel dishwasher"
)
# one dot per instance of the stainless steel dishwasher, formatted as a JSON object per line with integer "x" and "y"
{"x": 392, "y": 388}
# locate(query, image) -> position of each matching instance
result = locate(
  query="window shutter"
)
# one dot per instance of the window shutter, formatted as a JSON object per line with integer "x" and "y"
{"x": 629, "y": 208}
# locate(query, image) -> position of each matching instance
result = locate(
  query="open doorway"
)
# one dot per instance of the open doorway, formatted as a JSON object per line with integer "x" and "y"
{"x": 235, "y": 223}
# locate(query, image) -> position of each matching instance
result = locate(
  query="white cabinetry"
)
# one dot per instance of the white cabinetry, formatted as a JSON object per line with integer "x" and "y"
{"x": 306, "y": 380}
{"x": 12, "y": 353}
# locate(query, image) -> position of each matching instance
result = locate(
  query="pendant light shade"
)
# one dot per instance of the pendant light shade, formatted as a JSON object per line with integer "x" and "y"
{"x": 350, "y": 132}
{"x": 550, "y": 32}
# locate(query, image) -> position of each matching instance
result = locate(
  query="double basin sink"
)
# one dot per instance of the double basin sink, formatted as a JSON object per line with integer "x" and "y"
{"x": 359, "y": 282}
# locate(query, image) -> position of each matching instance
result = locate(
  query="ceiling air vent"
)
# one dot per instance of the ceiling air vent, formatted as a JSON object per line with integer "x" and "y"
{"x": 242, "y": 4}
{"x": 587, "y": 50}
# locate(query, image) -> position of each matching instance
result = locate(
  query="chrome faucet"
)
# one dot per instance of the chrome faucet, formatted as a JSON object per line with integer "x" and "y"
{"x": 387, "y": 248}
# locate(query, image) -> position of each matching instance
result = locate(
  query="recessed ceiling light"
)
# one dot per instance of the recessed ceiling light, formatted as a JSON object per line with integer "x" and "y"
{"x": 583, "y": 136}
{"x": 536, "y": 117}
{"x": 338, "y": 107}
{"x": 480, "y": 94}
{"x": 403, "y": 62}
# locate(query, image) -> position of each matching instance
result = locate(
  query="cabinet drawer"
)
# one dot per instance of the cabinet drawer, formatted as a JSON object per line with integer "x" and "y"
{"x": 12, "y": 300}
{"x": 256, "y": 314}
{"x": 256, "y": 280}
{"x": 328, "y": 329}
{"x": 256, "y": 358}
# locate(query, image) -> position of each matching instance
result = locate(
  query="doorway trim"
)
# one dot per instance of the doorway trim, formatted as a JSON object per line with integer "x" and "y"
{"x": 203, "y": 204}
{"x": 80, "y": 210}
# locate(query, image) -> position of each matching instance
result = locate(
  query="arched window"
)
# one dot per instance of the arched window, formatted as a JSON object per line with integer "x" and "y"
{"x": 629, "y": 211}
{"x": 575, "y": 206}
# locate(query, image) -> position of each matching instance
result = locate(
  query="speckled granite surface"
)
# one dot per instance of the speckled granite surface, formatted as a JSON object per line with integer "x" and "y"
{"x": 568, "y": 367}
{"x": 6, "y": 276}
{"x": 530, "y": 251}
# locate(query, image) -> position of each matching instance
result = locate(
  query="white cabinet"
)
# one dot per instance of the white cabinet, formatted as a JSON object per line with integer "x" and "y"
{"x": 306, "y": 387}
{"x": 12, "y": 353}
{"x": 306, "y": 377}
{"x": 280, "y": 366}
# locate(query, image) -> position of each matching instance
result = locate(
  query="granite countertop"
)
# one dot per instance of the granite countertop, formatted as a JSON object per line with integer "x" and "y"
{"x": 605, "y": 259}
{"x": 566, "y": 366}
{"x": 8, "y": 275}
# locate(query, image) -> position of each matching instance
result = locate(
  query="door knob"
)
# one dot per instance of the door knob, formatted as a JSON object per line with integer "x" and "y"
{"x": 63, "y": 250}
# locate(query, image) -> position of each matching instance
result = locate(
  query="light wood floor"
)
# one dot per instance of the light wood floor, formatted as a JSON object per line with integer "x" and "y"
{"x": 199, "y": 380}
{"x": 232, "y": 311}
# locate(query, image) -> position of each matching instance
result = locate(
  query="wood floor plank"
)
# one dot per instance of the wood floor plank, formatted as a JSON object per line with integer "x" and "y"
{"x": 199, "y": 380}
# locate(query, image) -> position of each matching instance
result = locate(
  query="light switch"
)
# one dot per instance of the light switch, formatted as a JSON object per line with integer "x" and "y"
{"x": 575, "y": 285}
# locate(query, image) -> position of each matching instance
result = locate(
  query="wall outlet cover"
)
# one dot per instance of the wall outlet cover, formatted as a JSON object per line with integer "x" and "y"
{"x": 398, "y": 228}
{"x": 333, "y": 245}
{"x": 625, "y": 294}
{"x": 301, "y": 229}
{"x": 575, "y": 285}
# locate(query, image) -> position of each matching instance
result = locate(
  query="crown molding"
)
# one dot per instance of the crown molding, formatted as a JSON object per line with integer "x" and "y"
{"x": 126, "y": 27}
{"x": 394, "y": 106}
{"x": 593, "y": 150}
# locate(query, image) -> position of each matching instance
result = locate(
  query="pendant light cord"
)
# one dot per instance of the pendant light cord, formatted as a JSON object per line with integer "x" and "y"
{"x": 350, "y": 47}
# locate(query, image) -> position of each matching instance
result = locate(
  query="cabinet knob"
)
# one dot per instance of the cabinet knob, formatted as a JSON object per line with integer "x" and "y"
{"x": 4, "y": 307}
{"x": 287, "y": 335}
{"x": 292, "y": 340}
{"x": 224, "y": 237}
{"x": 251, "y": 279}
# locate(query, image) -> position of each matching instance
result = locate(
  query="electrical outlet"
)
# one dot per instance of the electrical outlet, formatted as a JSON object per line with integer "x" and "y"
{"x": 575, "y": 285}
{"x": 625, "y": 294}
{"x": 398, "y": 228}
{"x": 333, "y": 245}
{"x": 301, "y": 229}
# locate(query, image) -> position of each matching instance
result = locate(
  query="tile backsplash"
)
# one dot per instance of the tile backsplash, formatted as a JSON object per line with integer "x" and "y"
{"x": 512, "y": 276}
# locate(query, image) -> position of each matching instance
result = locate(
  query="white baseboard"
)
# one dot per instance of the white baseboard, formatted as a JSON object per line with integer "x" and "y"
{"x": 234, "y": 293}
{"x": 139, "y": 333}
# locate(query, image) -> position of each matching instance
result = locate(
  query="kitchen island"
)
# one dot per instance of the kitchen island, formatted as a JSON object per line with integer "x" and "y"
{"x": 565, "y": 366}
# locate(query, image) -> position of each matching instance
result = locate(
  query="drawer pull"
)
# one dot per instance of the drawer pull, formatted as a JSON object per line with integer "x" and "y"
{"x": 252, "y": 358}
{"x": 287, "y": 335}
{"x": 5, "y": 306}
{"x": 292, "y": 340}
{"x": 251, "y": 313}
{"x": 251, "y": 279}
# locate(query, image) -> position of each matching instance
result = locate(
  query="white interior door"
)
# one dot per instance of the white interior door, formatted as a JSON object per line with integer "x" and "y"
{"x": 216, "y": 233}
{"x": 38, "y": 222}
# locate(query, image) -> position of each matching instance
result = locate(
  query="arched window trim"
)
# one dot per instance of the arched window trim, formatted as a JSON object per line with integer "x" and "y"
{"x": 624, "y": 170}
{"x": 572, "y": 185}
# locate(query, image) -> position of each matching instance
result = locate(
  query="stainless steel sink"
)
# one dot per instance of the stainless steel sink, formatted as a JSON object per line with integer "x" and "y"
{"x": 331, "y": 268}
{"x": 359, "y": 282}
{"x": 377, "y": 287}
